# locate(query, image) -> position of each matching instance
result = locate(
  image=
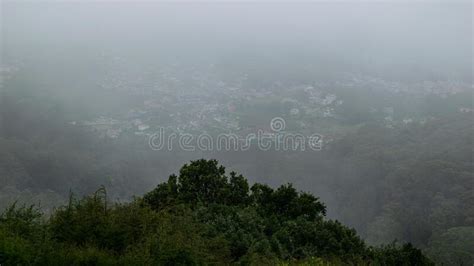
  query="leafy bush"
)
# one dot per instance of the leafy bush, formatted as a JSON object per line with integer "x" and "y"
{"x": 201, "y": 217}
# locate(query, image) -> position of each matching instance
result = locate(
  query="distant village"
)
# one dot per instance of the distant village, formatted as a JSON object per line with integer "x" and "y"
{"x": 191, "y": 100}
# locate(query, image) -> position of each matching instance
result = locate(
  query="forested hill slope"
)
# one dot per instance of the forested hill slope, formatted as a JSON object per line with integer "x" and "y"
{"x": 202, "y": 216}
{"x": 414, "y": 184}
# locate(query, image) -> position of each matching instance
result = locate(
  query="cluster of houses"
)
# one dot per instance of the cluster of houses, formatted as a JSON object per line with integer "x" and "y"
{"x": 201, "y": 102}
{"x": 415, "y": 89}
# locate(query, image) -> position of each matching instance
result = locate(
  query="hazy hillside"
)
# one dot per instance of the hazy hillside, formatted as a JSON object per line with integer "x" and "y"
{"x": 366, "y": 105}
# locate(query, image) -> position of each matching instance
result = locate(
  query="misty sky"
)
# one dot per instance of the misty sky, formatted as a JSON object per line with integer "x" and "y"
{"x": 422, "y": 35}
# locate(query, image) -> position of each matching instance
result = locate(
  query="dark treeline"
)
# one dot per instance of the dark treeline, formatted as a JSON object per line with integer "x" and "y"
{"x": 200, "y": 217}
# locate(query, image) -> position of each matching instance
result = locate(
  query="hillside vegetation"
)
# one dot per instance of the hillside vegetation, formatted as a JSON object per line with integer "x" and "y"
{"x": 202, "y": 216}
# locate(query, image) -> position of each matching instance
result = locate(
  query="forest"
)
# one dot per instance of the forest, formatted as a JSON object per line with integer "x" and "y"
{"x": 200, "y": 217}
{"x": 411, "y": 184}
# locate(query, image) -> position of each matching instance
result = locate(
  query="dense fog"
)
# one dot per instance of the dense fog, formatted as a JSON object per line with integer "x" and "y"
{"x": 386, "y": 86}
